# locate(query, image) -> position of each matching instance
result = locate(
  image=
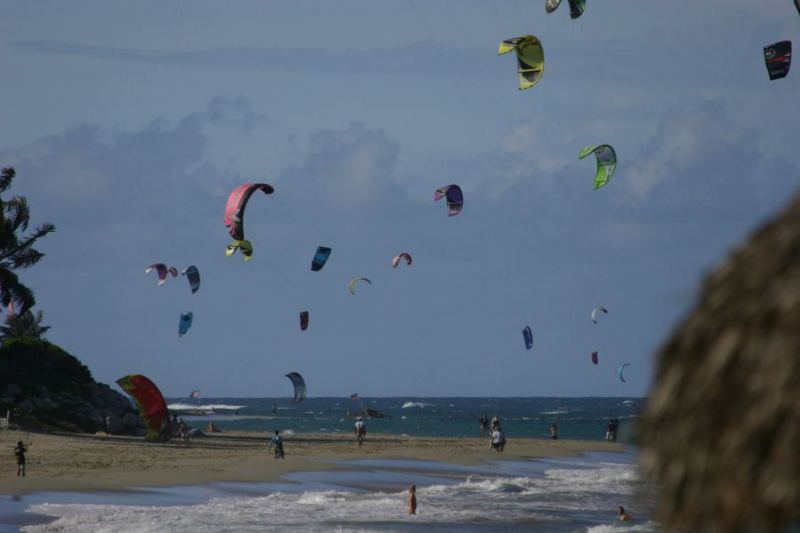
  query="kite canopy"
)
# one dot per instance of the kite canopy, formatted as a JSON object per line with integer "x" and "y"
{"x": 551, "y": 5}
{"x": 396, "y": 259}
{"x": 299, "y": 386}
{"x": 303, "y": 320}
{"x": 352, "y": 285}
{"x": 797, "y": 5}
{"x": 595, "y": 359}
{"x": 193, "y": 275}
{"x": 778, "y": 58}
{"x": 234, "y": 216}
{"x": 598, "y": 310}
{"x": 530, "y": 58}
{"x": 455, "y": 198}
{"x": 185, "y": 323}
{"x": 528, "y": 336}
{"x": 162, "y": 270}
{"x": 152, "y": 407}
{"x": 606, "y": 162}
{"x": 576, "y": 7}
{"x": 320, "y": 258}
{"x": 620, "y": 370}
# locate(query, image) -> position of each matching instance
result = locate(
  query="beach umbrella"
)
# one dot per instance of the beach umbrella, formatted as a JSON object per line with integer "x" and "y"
{"x": 721, "y": 429}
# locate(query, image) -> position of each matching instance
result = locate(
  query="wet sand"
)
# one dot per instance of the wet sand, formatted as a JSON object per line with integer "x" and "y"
{"x": 76, "y": 462}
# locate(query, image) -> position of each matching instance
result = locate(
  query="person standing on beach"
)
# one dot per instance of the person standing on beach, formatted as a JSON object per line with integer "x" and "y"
{"x": 360, "y": 430}
{"x": 19, "y": 453}
{"x": 412, "y": 499}
{"x": 484, "y": 421}
{"x": 277, "y": 443}
{"x": 554, "y": 431}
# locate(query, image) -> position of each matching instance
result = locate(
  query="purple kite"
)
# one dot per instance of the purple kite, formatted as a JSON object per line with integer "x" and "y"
{"x": 455, "y": 198}
{"x": 162, "y": 270}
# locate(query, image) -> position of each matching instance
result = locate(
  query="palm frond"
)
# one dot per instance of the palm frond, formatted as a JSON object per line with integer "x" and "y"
{"x": 17, "y": 213}
{"x": 7, "y": 177}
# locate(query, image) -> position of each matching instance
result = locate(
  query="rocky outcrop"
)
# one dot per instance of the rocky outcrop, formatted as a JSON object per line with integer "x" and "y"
{"x": 44, "y": 387}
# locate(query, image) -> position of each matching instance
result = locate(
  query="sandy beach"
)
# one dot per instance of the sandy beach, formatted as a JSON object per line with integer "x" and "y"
{"x": 77, "y": 462}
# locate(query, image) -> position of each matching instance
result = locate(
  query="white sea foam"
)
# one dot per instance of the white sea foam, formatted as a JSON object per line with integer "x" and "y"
{"x": 416, "y": 404}
{"x": 204, "y": 407}
{"x": 530, "y": 503}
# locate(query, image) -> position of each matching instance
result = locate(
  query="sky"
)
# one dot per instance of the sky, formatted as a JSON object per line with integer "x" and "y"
{"x": 129, "y": 124}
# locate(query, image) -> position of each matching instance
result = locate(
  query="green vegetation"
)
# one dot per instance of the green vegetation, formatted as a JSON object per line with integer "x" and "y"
{"x": 16, "y": 251}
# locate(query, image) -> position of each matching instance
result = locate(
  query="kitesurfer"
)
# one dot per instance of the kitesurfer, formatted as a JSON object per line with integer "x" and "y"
{"x": 19, "y": 453}
{"x": 623, "y": 516}
{"x": 554, "y": 431}
{"x": 412, "y": 499}
{"x": 360, "y": 430}
{"x": 277, "y": 443}
{"x": 484, "y": 421}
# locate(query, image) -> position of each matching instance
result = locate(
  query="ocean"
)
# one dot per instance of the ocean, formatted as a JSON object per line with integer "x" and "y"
{"x": 577, "y": 418}
{"x": 565, "y": 494}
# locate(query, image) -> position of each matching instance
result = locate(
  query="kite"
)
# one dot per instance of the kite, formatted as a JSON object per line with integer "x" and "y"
{"x": 320, "y": 258}
{"x": 303, "y": 320}
{"x": 576, "y": 7}
{"x": 396, "y": 259}
{"x": 299, "y": 386}
{"x": 162, "y": 270}
{"x": 778, "y": 58}
{"x": 352, "y": 285}
{"x": 620, "y": 370}
{"x": 193, "y": 275}
{"x": 797, "y": 5}
{"x": 185, "y": 323}
{"x": 455, "y": 198}
{"x": 234, "y": 217}
{"x": 530, "y": 59}
{"x": 606, "y": 162}
{"x": 551, "y": 5}
{"x": 595, "y": 359}
{"x": 528, "y": 336}
{"x": 595, "y": 311}
{"x": 152, "y": 407}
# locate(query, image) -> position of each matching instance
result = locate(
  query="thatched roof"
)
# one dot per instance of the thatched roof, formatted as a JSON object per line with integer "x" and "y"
{"x": 721, "y": 431}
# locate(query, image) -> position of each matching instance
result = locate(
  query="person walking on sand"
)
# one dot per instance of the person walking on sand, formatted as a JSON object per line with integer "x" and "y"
{"x": 19, "y": 453}
{"x": 277, "y": 443}
{"x": 498, "y": 441}
{"x": 360, "y": 430}
{"x": 623, "y": 516}
{"x": 412, "y": 499}
{"x": 553, "y": 431}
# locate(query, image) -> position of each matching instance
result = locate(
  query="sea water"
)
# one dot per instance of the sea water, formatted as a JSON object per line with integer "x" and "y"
{"x": 579, "y": 493}
{"x": 577, "y": 418}
{"x": 553, "y": 495}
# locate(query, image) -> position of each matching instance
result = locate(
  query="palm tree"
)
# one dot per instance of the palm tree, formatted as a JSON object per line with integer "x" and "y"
{"x": 24, "y": 325}
{"x": 16, "y": 251}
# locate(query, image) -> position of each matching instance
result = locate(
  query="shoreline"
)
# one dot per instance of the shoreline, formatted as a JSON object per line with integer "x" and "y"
{"x": 87, "y": 463}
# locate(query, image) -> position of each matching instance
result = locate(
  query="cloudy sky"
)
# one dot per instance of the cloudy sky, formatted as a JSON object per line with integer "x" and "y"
{"x": 129, "y": 123}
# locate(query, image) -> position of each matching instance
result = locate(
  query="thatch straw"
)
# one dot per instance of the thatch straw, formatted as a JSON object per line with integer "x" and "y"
{"x": 721, "y": 431}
